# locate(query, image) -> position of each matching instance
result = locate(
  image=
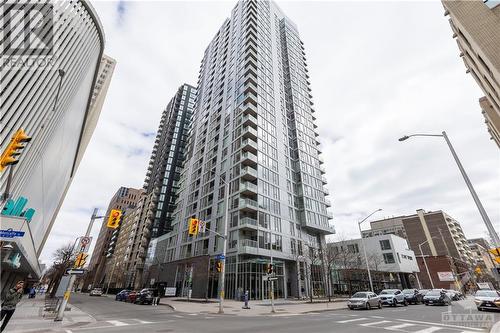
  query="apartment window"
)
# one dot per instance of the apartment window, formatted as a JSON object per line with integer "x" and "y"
{"x": 389, "y": 258}
{"x": 352, "y": 248}
{"x": 385, "y": 244}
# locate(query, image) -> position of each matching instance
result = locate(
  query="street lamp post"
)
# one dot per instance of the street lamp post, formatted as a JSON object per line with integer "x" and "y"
{"x": 224, "y": 250}
{"x": 482, "y": 211}
{"x": 425, "y": 262}
{"x": 364, "y": 249}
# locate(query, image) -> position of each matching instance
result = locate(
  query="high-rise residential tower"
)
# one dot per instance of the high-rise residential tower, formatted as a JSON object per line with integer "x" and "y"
{"x": 475, "y": 26}
{"x": 253, "y": 127}
{"x": 166, "y": 160}
{"x": 47, "y": 78}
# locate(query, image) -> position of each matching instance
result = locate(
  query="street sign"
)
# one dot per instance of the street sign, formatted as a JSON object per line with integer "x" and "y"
{"x": 220, "y": 257}
{"x": 9, "y": 233}
{"x": 202, "y": 226}
{"x": 269, "y": 278}
{"x": 85, "y": 243}
{"x": 75, "y": 271}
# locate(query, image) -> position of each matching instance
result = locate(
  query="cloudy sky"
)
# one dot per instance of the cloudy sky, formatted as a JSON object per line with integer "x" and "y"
{"x": 379, "y": 70}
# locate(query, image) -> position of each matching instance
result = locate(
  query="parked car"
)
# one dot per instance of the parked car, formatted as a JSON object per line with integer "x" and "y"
{"x": 487, "y": 299}
{"x": 412, "y": 296}
{"x": 392, "y": 297}
{"x": 132, "y": 296}
{"x": 455, "y": 295}
{"x": 122, "y": 295}
{"x": 145, "y": 296}
{"x": 437, "y": 297}
{"x": 423, "y": 292}
{"x": 96, "y": 292}
{"x": 364, "y": 300}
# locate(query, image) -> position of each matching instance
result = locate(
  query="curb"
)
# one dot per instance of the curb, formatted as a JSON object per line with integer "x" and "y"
{"x": 168, "y": 305}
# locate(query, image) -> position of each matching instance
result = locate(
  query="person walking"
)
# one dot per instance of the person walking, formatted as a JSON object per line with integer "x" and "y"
{"x": 9, "y": 303}
{"x": 156, "y": 297}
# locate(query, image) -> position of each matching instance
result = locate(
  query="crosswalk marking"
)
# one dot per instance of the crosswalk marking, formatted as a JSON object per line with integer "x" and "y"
{"x": 376, "y": 323}
{"x": 117, "y": 323}
{"x": 143, "y": 321}
{"x": 398, "y": 327}
{"x": 429, "y": 330}
{"x": 350, "y": 320}
{"x": 177, "y": 316}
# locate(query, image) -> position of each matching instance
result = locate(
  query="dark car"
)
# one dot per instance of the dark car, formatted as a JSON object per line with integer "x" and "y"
{"x": 437, "y": 297}
{"x": 131, "y": 297}
{"x": 412, "y": 296}
{"x": 487, "y": 299}
{"x": 145, "y": 296}
{"x": 122, "y": 295}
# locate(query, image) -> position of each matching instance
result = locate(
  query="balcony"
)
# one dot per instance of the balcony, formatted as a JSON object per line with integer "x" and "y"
{"x": 249, "y": 132}
{"x": 250, "y": 108}
{"x": 328, "y": 203}
{"x": 321, "y": 160}
{"x": 249, "y": 120}
{"x": 326, "y": 191}
{"x": 323, "y": 180}
{"x": 249, "y": 145}
{"x": 248, "y": 205}
{"x": 248, "y": 158}
{"x": 322, "y": 169}
{"x": 330, "y": 215}
{"x": 248, "y": 188}
{"x": 248, "y": 223}
{"x": 250, "y": 97}
{"x": 248, "y": 173}
{"x": 248, "y": 243}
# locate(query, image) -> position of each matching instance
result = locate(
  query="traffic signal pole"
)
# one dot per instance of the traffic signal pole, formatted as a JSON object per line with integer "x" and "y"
{"x": 67, "y": 293}
{"x": 224, "y": 249}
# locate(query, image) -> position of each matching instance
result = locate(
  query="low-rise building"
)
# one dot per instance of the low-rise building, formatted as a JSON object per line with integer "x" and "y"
{"x": 392, "y": 264}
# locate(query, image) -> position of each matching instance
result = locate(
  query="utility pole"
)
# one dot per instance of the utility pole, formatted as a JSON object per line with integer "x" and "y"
{"x": 67, "y": 293}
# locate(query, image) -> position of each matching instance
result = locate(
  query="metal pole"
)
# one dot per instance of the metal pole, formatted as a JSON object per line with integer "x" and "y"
{"x": 111, "y": 276}
{"x": 366, "y": 258}
{"x": 6, "y": 194}
{"x": 67, "y": 293}
{"x": 272, "y": 281}
{"x": 482, "y": 211}
{"x": 425, "y": 263}
{"x": 224, "y": 248}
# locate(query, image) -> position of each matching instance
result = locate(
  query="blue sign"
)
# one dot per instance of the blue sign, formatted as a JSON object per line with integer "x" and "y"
{"x": 220, "y": 257}
{"x": 16, "y": 208}
{"x": 11, "y": 233}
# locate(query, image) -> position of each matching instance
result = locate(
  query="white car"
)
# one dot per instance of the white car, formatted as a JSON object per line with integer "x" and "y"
{"x": 96, "y": 292}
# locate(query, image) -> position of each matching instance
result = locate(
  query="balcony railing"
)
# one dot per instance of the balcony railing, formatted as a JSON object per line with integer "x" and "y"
{"x": 248, "y": 242}
{"x": 249, "y": 173}
{"x": 249, "y": 120}
{"x": 247, "y": 187}
{"x": 249, "y": 132}
{"x": 249, "y": 158}
{"x": 249, "y": 145}
{"x": 248, "y": 204}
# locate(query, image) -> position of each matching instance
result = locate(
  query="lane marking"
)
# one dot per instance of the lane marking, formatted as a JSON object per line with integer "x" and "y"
{"x": 398, "y": 327}
{"x": 377, "y": 317}
{"x": 68, "y": 331}
{"x": 192, "y": 314}
{"x": 143, "y": 321}
{"x": 428, "y": 330}
{"x": 177, "y": 316}
{"x": 444, "y": 325}
{"x": 117, "y": 323}
{"x": 350, "y": 320}
{"x": 376, "y": 323}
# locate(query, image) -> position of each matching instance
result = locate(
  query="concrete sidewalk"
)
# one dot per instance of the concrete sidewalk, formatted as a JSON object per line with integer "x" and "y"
{"x": 282, "y": 307}
{"x": 30, "y": 317}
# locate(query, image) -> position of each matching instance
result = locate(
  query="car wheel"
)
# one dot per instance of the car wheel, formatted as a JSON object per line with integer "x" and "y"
{"x": 394, "y": 303}
{"x": 479, "y": 309}
{"x": 367, "y": 306}
{"x": 350, "y": 307}
{"x": 380, "y": 305}
{"x": 405, "y": 303}
{"x": 426, "y": 304}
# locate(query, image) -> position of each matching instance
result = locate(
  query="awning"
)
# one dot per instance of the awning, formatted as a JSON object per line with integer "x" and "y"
{"x": 15, "y": 231}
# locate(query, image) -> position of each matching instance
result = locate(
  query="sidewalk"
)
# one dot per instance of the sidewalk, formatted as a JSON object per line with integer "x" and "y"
{"x": 282, "y": 307}
{"x": 29, "y": 317}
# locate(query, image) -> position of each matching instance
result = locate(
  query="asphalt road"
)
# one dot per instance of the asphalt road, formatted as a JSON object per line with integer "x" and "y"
{"x": 122, "y": 317}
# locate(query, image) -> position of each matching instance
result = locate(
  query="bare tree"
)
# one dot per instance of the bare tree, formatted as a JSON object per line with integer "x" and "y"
{"x": 63, "y": 258}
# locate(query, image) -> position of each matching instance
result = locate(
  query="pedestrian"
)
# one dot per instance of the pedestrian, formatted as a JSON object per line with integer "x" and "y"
{"x": 32, "y": 292}
{"x": 156, "y": 298}
{"x": 9, "y": 303}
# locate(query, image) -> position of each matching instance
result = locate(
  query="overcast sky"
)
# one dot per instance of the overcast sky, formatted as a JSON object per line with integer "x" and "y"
{"x": 379, "y": 70}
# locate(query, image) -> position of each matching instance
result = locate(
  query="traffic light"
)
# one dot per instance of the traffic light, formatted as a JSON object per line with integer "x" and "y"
{"x": 496, "y": 254}
{"x": 478, "y": 270}
{"x": 269, "y": 268}
{"x": 13, "y": 149}
{"x": 193, "y": 226}
{"x": 114, "y": 218}
{"x": 218, "y": 266}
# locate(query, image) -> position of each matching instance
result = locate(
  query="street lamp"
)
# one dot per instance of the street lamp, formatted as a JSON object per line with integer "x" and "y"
{"x": 482, "y": 211}
{"x": 364, "y": 249}
{"x": 425, "y": 262}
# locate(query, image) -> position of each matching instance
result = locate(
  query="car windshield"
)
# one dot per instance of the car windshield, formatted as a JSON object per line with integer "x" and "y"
{"x": 408, "y": 291}
{"x": 434, "y": 293}
{"x": 359, "y": 295}
{"x": 487, "y": 293}
{"x": 388, "y": 292}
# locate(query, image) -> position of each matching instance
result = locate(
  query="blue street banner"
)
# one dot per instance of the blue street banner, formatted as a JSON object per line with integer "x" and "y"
{"x": 11, "y": 233}
{"x": 220, "y": 257}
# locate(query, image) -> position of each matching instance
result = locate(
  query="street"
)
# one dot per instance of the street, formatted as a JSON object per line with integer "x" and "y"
{"x": 112, "y": 316}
